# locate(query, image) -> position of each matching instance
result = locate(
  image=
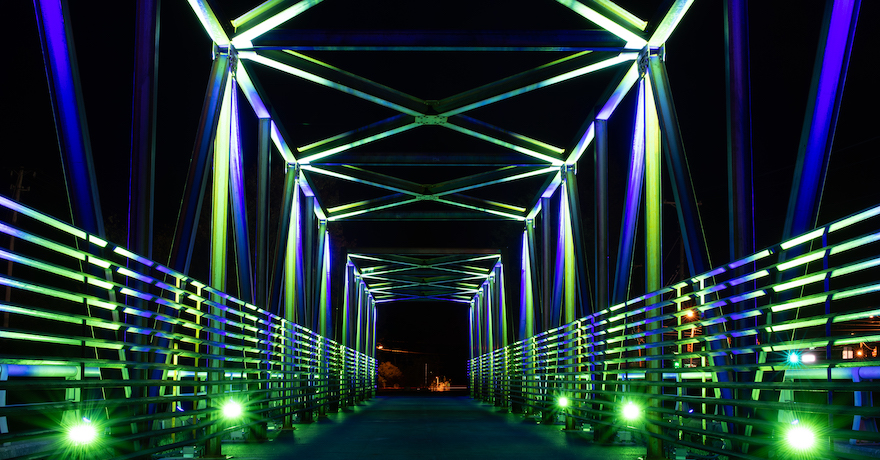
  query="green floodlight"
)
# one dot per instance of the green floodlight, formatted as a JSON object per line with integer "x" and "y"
{"x": 631, "y": 411}
{"x": 232, "y": 410}
{"x": 800, "y": 438}
{"x": 563, "y": 401}
{"x": 82, "y": 433}
{"x": 794, "y": 358}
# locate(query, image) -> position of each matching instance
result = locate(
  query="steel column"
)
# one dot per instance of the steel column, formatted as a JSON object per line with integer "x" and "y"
{"x": 143, "y": 128}
{"x": 293, "y": 260}
{"x": 600, "y": 235}
{"x": 685, "y": 202}
{"x": 285, "y": 215}
{"x": 653, "y": 258}
{"x": 325, "y": 319}
{"x": 308, "y": 253}
{"x": 220, "y": 191}
{"x": 526, "y": 296}
{"x": 264, "y": 171}
{"x": 237, "y": 200}
{"x": 740, "y": 193}
{"x": 546, "y": 268}
{"x": 581, "y": 277}
{"x": 569, "y": 257}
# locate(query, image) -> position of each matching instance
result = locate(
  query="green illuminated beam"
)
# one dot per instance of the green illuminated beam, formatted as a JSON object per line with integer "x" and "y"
{"x": 366, "y": 177}
{"x": 212, "y": 25}
{"x": 669, "y": 22}
{"x": 481, "y": 205}
{"x": 251, "y": 91}
{"x": 265, "y": 17}
{"x": 633, "y": 39}
{"x": 498, "y": 176}
{"x": 515, "y": 82}
{"x": 611, "y": 101}
{"x": 653, "y": 194}
{"x": 456, "y": 259}
{"x": 596, "y": 66}
{"x": 504, "y": 138}
{"x": 367, "y": 206}
{"x": 42, "y": 218}
{"x": 281, "y": 144}
{"x": 396, "y": 258}
{"x": 349, "y": 140}
{"x": 326, "y": 75}
{"x": 220, "y": 192}
{"x": 619, "y": 14}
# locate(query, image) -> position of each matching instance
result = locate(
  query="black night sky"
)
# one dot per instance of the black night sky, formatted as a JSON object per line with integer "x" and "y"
{"x": 783, "y": 42}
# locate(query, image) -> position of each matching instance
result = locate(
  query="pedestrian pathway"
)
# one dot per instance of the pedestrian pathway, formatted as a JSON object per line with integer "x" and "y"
{"x": 428, "y": 427}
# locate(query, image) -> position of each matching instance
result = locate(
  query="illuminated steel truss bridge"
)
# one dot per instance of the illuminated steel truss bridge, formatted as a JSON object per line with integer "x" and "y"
{"x": 145, "y": 358}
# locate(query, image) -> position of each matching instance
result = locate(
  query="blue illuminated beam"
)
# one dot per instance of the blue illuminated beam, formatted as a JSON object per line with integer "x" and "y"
{"x": 59, "y": 57}
{"x": 823, "y": 105}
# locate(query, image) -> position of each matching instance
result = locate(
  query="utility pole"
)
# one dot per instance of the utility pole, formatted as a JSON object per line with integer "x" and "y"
{"x": 16, "y": 195}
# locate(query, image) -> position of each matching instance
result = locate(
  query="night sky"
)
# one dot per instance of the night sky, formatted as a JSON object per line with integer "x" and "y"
{"x": 783, "y": 41}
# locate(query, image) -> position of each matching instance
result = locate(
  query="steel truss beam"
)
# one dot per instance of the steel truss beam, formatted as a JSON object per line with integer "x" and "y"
{"x": 438, "y": 40}
{"x": 820, "y": 121}
{"x": 393, "y": 277}
{"x": 59, "y": 58}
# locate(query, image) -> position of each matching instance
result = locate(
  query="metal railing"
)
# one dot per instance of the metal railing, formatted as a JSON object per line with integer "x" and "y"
{"x": 733, "y": 362}
{"x": 95, "y": 336}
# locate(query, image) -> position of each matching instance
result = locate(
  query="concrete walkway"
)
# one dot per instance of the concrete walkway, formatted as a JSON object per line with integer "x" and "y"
{"x": 428, "y": 427}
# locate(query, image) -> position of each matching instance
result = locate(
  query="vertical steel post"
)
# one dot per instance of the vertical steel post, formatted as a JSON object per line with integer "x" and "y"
{"x": 740, "y": 192}
{"x": 277, "y": 298}
{"x": 653, "y": 260}
{"x": 692, "y": 236}
{"x": 142, "y": 172}
{"x": 264, "y": 171}
{"x": 237, "y": 201}
{"x": 309, "y": 251}
{"x": 502, "y": 307}
{"x": 324, "y": 307}
{"x": 526, "y": 296}
{"x": 546, "y": 269}
{"x": 293, "y": 258}
{"x": 686, "y": 205}
{"x": 569, "y": 263}
{"x": 143, "y": 128}
{"x": 580, "y": 274}
{"x": 600, "y": 219}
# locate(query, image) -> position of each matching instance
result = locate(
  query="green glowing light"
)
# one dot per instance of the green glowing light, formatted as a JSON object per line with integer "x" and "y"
{"x": 802, "y": 239}
{"x": 631, "y": 411}
{"x": 633, "y": 40}
{"x": 82, "y": 433}
{"x": 563, "y": 401}
{"x": 232, "y": 410}
{"x": 800, "y": 438}
{"x": 794, "y": 358}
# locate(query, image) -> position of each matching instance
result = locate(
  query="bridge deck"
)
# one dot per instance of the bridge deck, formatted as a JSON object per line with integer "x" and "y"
{"x": 428, "y": 427}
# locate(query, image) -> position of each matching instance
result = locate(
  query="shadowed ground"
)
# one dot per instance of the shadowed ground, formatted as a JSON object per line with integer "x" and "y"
{"x": 428, "y": 427}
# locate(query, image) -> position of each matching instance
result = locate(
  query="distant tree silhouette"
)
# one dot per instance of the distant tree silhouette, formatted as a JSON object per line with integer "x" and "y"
{"x": 388, "y": 374}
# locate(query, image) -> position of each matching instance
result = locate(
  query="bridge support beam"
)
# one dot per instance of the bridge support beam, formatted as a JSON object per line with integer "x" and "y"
{"x": 632, "y": 203}
{"x": 820, "y": 122}
{"x": 59, "y": 57}
{"x": 653, "y": 262}
{"x": 740, "y": 192}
